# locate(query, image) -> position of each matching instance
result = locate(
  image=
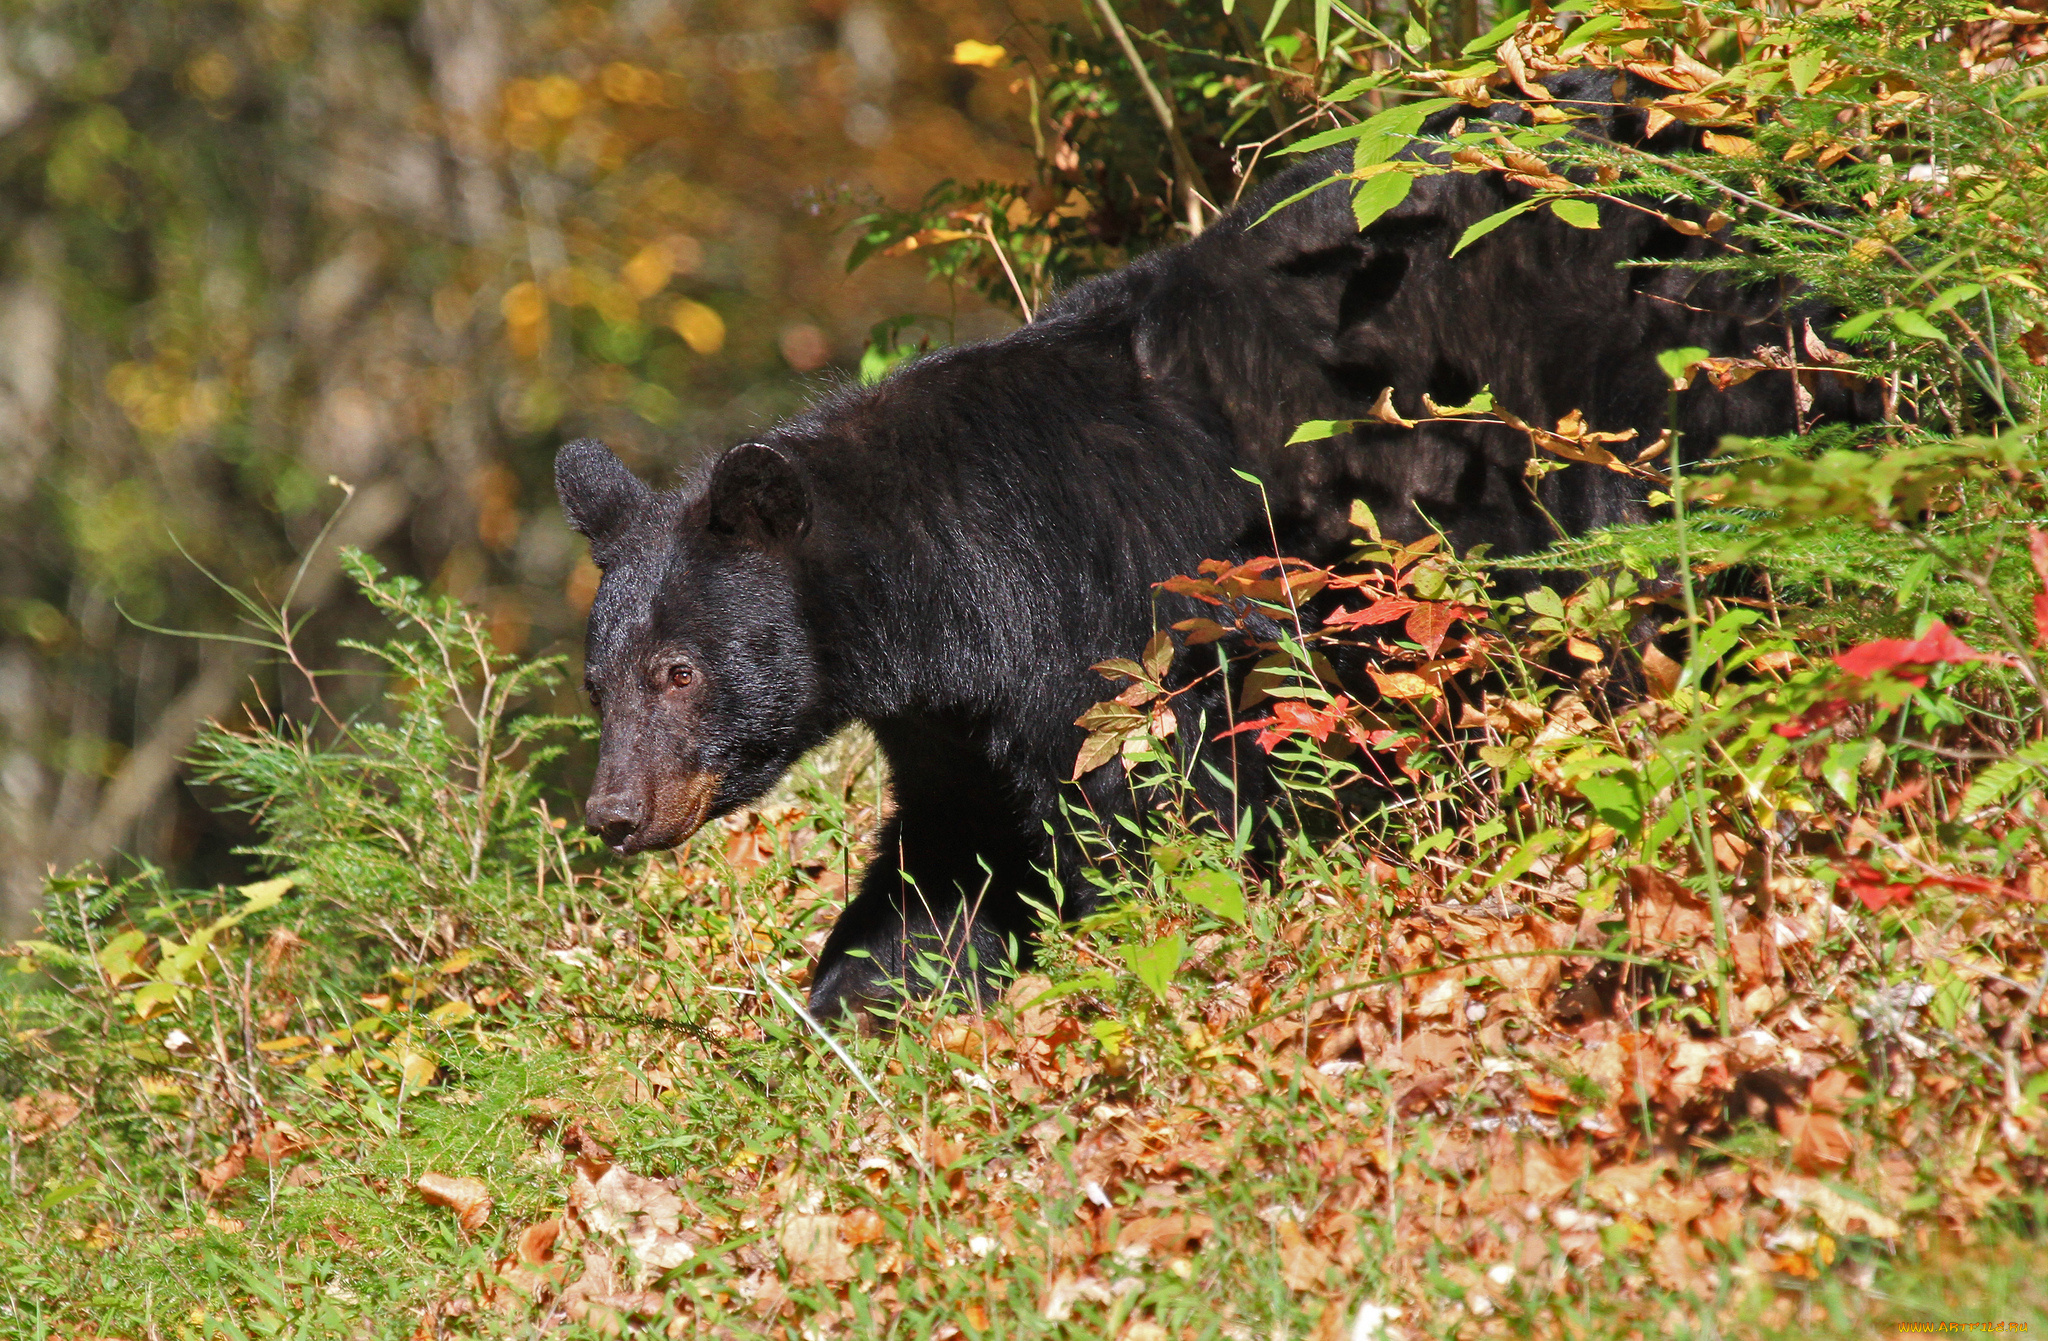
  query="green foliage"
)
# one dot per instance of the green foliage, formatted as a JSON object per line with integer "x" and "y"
{"x": 435, "y": 814}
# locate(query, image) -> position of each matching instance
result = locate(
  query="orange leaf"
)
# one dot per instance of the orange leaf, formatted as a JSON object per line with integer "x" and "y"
{"x": 467, "y": 1197}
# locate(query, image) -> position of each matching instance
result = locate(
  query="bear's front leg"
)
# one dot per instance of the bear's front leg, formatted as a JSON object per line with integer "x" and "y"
{"x": 937, "y": 912}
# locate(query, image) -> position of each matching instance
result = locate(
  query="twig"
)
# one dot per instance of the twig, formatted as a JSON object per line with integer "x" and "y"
{"x": 1189, "y": 178}
{"x": 988, "y": 227}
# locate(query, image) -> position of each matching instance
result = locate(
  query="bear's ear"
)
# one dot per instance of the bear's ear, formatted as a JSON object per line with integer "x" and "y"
{"x": 757, "y": 496}
{"x": 599, "y": 495}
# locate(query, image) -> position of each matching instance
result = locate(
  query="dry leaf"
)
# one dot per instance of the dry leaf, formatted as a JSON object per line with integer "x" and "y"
{"x": 1178, "y": 1233}
{"x": 467, "y": 1197}
{"x": 2034, "y": 344}
{"x": 1837, "y": 1212}
{"x": 1384, "y": 411}
{"x": 34, "y": 1116}
{"x": 1660, "y": 672}
{"x": 1549, "y": 1171}
{"x": 1663, "y": 912}
{"x": 225, "y": 1170}
{"x": 1819, "y": 1141}
{"x": 816, "y": 1254}
{"x": 1302, "y": 1265}
{"x": 862, "y": 1225}
{"x": 274, "y": 1144}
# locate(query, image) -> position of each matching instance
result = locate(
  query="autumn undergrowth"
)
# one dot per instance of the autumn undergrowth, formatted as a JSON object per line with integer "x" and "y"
{"x": 1462, "y": 1056}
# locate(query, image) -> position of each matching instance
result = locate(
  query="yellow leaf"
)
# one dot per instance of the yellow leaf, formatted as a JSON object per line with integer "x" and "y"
{"x": 524, "y": 304}
{"x": 290, "y": 1044}
{"x": 702, "y": 329}
{"x": 264, "y": 894}
{"x": 448, "y": 1012}
{"x": 1734, "y": 146}
{"x": 154, "y": 999}
{"x": 984, "y": 54}
{"x": 926, "y": 237}
{"x": 1401, "y": 684}
{"x": 649, "y": 270}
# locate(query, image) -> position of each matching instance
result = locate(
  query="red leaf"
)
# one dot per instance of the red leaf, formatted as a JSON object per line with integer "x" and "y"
{"x": 1901, "y": 656}
{"x": 1878, "y": 889}
{"x": 1874, "y": 888}
{"x": 2037, "y": 547}
{"x": 1385, "y": 610}
{"x": 1428, "y": 624}
{"x": 1291, "y": 716}
{"x": 1815, "y": 718}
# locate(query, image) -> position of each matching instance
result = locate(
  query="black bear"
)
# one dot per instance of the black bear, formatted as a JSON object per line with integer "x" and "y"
{"x": 945, "y": 555}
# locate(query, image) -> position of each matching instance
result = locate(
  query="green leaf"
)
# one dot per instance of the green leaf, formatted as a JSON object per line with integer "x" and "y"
{"x": 1387, "y": 133}
{"x": 1912, "y": 323}
{"x": 1590, "y": 29}
{"x": 2002, "y": 781}
{"x": 153, "y": 994}
{"x": 1494, "y": 36}
{"x": 117, "y": 957}
{"x": 1217, "y": 891}
{"x": 60, "y": 1193}
{"x": 1843, "y": 762}
{"x": 1394, "y": 123}
{"x": 1523, "y": 857}
{"x": 1415, "y": 37}
{"x": 1804, "y": 67}
{"x": 1489, "y": 223}
{"x": 1323, "y": 139}
{"x": 1322, "y": 28}
{"x": 1378, "y": 195}
{"x": 1356, "y": 88}
{"x": 1328, "y": 181}
{"x": 1154, "y": 964}
{"x": 1441, "y": 838}
{"x": 1577, "y": 213}
{"x": 1859, "y": 323}
{"x": 1481, "y": 403}
{"x": 1095, "y": 980}
{"x": 1715, "y": 641}
{"x": 1315, "y": 430}
{"x": 1952, "y": 995}
{"x": 1677, "y": 363}
{"x": 1949, "y": 297}
{"x": 1616, "y": 799}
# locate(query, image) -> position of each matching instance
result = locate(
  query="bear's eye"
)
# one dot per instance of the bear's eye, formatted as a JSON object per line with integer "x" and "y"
{"x": 680, "y": 675}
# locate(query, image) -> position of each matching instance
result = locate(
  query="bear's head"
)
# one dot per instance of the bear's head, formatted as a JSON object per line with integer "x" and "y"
{"x": 697, "y": 660}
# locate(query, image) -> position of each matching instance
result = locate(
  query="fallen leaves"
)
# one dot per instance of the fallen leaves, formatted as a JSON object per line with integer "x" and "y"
{"x": 42, "y": 1113}
{"x": 469, "y": 1198}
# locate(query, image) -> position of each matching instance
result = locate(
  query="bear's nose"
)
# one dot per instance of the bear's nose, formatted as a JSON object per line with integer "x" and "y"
{"x": 614, "y": 818}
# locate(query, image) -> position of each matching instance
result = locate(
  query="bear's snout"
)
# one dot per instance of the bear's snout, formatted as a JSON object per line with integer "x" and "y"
{"x": 646, "y": 814}
{"x": 615, "y": 817}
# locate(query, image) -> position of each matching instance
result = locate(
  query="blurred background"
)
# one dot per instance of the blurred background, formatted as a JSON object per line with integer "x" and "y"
{"x": 248, "y": 249}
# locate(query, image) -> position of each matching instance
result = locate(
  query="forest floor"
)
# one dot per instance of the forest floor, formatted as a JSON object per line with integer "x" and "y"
{"x": 1368, "y": 1102}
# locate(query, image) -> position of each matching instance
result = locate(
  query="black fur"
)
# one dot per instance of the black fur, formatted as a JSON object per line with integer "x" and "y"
{"x": 945, "y": 555}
